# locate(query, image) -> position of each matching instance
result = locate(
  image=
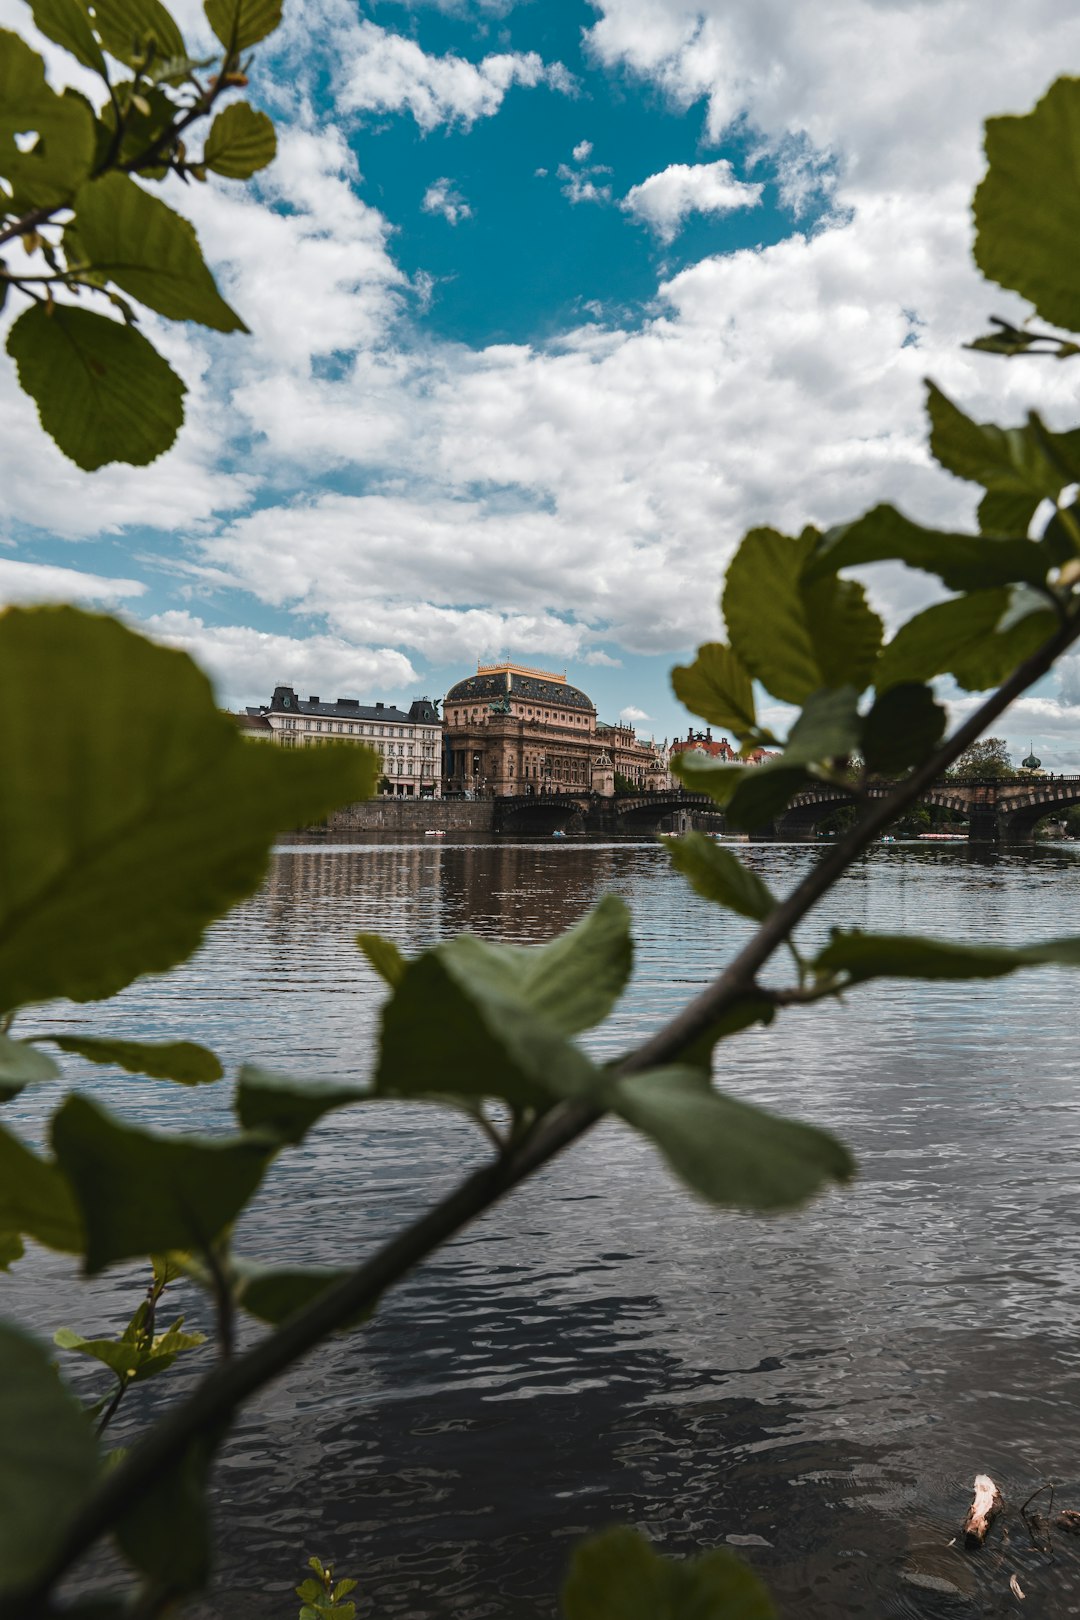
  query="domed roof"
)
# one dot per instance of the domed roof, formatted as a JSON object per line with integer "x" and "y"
{"x": 1031, "y": 763}
{"x": 528, "y": 686}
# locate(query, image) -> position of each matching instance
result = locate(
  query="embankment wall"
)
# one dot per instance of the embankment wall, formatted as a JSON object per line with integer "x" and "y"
{"x": 413, "y": 815}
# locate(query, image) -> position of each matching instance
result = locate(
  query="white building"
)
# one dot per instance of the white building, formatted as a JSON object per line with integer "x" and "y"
{"x": 410, "y": 744}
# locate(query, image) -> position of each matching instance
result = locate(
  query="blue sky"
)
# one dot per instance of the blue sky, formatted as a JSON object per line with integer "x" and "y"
{"x": 549, "y": 303}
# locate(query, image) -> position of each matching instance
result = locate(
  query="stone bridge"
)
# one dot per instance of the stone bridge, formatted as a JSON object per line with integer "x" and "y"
{"x": 1004, "y": 811}
{"x": 593, "y": 812}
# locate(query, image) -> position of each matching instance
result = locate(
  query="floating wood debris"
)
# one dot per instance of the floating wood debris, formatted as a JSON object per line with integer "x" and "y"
{"x": 1069, "y": 1519}
{"x": 985, "y": 1505}
{"x": 1015, "y": 1587}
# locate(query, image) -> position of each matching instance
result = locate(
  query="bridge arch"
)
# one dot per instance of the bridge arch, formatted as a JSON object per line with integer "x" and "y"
{"x": 542, "y": 812}
{"x": 1020, "y": 809}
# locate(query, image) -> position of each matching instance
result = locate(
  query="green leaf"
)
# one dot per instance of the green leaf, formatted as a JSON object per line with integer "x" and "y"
{"x": 240, "y": 24}
{"x": 1027, "y": 208}
{"x": 763, "y": 794}
{"x": 384, "y": 956}
{"x": 48, "y": 1458}
{"x": 149, "y": 252}
{"x": 35, "y": 1199}
{"x": 902, "y": 729}
{"x": 965, "y": 562}
{"x": 619, "y": 1576}
{"x": 167, "y": 814}
{"x": 11, "y": 1249}
{"x": 963, "y": 638}
{"x": 49, "y": 174}
{"x": 717, "y": 688}
{"x": 905, "y": 956}
{"x": 183, "y": 1061}
{"x": 457, "y": 1026}
{"x": 1002, "y": 513}
{"x": 729, "y": 1152}
{"x": 274, "y": 1293}
{"x": 66, "y": 22}
{"x": 135, "y": 1358}
{"x": 141, "y": 1192}
{"x": 22, "y": 1065}
{"x": 719, "y": 875}
{"x": 1022, "y": 465}
{"x": 132, "y": 30}
{"x": 241, "y": 141}
{"x": 287, "y": 1107}
{"x": 102, "y": 391}
{"x": 794, "y": 634}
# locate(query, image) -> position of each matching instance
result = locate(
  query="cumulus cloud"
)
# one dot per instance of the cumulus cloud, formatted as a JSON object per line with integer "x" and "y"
{"x": 442, "y": 197}
{"x": 247, "y": 664}
{"x": 630, "y": 716}
{"x": 44, "y": 582}
{"x": 666, "y": 200}
{"x": 582, "y": 150}
{"x": 385, "y": 72}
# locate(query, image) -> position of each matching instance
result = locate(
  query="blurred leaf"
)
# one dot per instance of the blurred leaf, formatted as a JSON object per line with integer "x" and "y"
{"x": 240, "y": 24}
{"x": 1057, "y": 538}
{"x": 141, "y": 1192}
{"x": 66, "y": 22}
{"x": 102, "y": 391}
{"x": 905, "y": 956}
{"x": 965, "y": 562}
{"x": 49, "y": 174}
{"x": 22, "y": 1065}
{"x": 1027, "y": 208}
{"x": 902, "y": 729}
{"x": 141, "y": 129}
{"x": 729, "y": 1152}
{"x": 11, "y": 1249}
{"x": 717, "y": 688}
{"x": 384, "y": 957}
{"x": 962, "y": 638}
{"x": 763, "y": 794}
{"x": 1013, "y": 340}
{"x": 183, "y": 1061}
{"x": 618, "y": 1576}
{"x": 274, "y": 1293}
{"x": 149, "y": 252}
{"x": 240, "y": 142}
{"x": 719, "y": 875}
{"x": 35, "y": 1199}
{"x": 288, "y": 1107}
{"x": 793, "y": 634}
{"x": 132, "y": 30}
{"x": 1002, "y": 513}
{"x": 1021, "y": 466}
{"x": 167, "y": 1534}
{"x": 166, "y": 815}
{"x": 48, "y": 1458}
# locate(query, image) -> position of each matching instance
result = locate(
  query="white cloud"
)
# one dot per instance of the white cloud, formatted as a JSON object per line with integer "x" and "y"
{"x": 247, "y": 664}
{"x": 631, "y": 716}
{"x": 579, "y": 186}
{"x": 582, "y": 150}
{"x": 44, "y": 582}
{"x": 666, "y": 200}
{"x": 442, "y": 197}
{"x": 386, "y": 72}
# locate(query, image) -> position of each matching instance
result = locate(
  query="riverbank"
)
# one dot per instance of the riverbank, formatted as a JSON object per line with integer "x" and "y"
{"x": 410, "y": 816}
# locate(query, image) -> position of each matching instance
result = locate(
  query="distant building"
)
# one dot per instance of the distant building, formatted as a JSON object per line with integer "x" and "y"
{"x": 410, "y": 744}
{"x": 718, "y": 748}
{"x": 644, "y": 763}
{"x": 511, "y": 729}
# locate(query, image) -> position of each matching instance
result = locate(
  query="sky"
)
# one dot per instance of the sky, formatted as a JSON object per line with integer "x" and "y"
{"x": 549, "y": 302}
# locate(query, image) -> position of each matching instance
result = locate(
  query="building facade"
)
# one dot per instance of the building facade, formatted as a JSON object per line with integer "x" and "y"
{"x": 703, "y": 742}
{"x": 410, "y": 744}
{"x": 511, "y": 729}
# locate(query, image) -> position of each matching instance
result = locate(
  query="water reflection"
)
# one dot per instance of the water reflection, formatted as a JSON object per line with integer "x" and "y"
{"x": 819, "y": 1388}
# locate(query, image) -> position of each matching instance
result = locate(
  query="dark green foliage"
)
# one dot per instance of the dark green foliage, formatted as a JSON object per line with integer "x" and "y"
{"x": 619, "y": 1576}
{"x": 987, "y": 759}
{"x": 185, "y": 1062}
{"x": 719, "y": 875}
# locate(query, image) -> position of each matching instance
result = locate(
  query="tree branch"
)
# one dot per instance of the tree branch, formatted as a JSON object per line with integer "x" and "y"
{"x": 233, "y": 1382}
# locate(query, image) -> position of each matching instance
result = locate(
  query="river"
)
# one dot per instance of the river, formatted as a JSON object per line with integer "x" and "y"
{"x": 816, "y": 1389}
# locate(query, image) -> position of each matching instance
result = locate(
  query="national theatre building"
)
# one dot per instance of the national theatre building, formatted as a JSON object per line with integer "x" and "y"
{"x": 509, "y": 729}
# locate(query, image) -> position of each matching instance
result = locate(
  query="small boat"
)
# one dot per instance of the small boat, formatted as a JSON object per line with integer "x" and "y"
{"x": 558, "y": 833}
{"x": 434, "y": 832}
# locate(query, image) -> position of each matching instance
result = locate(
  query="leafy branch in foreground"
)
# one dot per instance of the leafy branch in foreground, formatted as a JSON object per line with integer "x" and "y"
{"x": 157, "y": 821}
{"x": 81, "y": 228}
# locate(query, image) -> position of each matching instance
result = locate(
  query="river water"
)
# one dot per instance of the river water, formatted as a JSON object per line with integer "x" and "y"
{"x": 816, "y": 1389}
